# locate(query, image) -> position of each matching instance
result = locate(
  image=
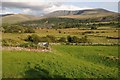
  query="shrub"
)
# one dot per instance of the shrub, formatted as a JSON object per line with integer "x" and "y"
{"x": 75, "y": 39}
{"x": 69, "y": 39}
{"x": 36, "y": 39}
{"x": 33, "y": 38}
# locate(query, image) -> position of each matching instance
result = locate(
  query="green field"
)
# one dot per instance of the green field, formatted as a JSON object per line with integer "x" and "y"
{"x": 95, "y": 36}
{"x": 62, "y": 62}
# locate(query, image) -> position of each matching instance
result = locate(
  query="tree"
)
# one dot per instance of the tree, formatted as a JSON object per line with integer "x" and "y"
{"x": 69, "y": 39}
{"x": 33, "y": 38}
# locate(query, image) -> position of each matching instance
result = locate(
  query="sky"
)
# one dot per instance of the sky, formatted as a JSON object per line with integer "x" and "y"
{"x": 40, "y": 7}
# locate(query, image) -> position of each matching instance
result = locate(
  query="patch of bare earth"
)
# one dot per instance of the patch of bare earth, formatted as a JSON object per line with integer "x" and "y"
{"x": 25, "y": 49}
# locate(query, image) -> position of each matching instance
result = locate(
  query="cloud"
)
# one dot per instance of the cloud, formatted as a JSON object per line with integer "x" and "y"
{"x": 64, "y": 7}
{"x": 6, "y": 12}
{"x": 24, "y": 1}
{"x": 37, "y": 8}
{"x": 26, "y": 5}
{"x": 61, "y": 0}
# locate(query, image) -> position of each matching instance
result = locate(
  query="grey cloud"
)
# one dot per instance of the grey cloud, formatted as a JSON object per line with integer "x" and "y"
{"x": 27, "y": 5}
{"x": 34, "y": 7}
{"x": 24, "y": 5}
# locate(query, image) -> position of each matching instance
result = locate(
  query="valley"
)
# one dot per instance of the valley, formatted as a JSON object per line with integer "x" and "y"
{"x": 61, "y": 44}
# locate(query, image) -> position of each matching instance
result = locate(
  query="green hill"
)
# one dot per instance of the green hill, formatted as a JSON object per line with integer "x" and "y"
{"x": 15, "y": 18}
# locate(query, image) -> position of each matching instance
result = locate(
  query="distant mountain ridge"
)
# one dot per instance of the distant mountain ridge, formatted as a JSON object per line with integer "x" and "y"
{"x": 79, "y": 12}
{"x": 98, "y": 14}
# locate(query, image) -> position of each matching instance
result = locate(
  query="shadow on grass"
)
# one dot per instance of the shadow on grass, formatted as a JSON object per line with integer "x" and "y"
{"x": 38, "y": 73}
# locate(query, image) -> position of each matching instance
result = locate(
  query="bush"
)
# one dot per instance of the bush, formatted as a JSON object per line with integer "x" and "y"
{"x": 69, "y": 39}
{"x": 36, "y": 39}
{"x": 75, "y": 39}
{"x": 33, "y": 38}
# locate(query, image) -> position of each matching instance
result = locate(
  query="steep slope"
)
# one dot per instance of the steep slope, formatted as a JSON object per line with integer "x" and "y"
{"x": 15, "y": 18}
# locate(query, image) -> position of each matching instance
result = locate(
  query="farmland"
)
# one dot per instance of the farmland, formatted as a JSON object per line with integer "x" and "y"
{"x": 62, "y": 62}
{"x": 71, "y": 44}
{"x": 94, "y": 36}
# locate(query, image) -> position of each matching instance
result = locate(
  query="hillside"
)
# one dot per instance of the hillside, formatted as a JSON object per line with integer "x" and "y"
{"x": 14, "y": 18}
{"x": 58, "y": 22}
{"x": 88, "y": 13}
{"x": 63, "y": 19}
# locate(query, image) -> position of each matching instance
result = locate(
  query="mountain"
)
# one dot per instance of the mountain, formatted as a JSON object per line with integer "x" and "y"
{"x": 88, "y": 13}
{"x": 98, "y": 14}
{"x": 15, "y": 18}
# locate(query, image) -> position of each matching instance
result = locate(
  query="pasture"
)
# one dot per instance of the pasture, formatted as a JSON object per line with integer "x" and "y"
{"x": 94, "y": 36}
{"x": 62, "y": 44}
{"x": 64, "y": 61}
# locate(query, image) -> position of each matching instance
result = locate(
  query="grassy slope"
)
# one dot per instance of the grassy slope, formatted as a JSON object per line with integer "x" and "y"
{"x": 87, "y": 16}
{"x": 17, "y": 18}
{"x": 63, "y": 61}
